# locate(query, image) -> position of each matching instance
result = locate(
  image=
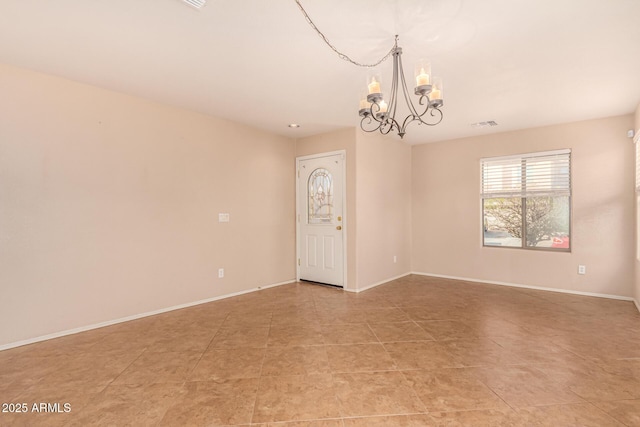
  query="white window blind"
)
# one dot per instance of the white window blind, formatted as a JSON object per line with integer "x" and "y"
{"x": 527, "y": 175}
{"x": 637, "y": 141}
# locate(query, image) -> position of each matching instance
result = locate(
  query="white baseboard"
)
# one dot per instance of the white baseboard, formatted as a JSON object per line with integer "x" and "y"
{"x": 538, "y": 288}
{"x": 136, "y": 316}
{"x": 377, "y": 283}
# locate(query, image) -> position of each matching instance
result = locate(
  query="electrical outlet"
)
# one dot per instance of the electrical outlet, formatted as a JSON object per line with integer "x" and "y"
{"x": 223, "y": 217}
{"x": 220, "y": 273}
{"x": 582, "y": 269}
{"x": 395, "y": 259}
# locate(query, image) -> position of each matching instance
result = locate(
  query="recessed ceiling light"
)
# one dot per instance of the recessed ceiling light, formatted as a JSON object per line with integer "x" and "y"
{"x": 294, "y": 125}
{"x": 198, "y": 4}
{"x": 486, "y": 124}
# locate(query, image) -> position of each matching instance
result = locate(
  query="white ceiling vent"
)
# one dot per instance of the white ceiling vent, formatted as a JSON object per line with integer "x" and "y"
{"x": 486, "y": 124}
{"x": 198, "y": 4}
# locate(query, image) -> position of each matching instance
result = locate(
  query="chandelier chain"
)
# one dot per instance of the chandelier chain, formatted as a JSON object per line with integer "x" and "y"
{"x": 340, "y": 54}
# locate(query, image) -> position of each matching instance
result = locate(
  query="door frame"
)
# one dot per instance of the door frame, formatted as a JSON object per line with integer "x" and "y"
{"x": 344, "y": 210}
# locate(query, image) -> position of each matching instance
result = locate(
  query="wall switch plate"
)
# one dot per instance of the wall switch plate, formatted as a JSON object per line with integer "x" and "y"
{"x": 223, "y": 217}
{"x": 582, "y": 269}
{"x": 220, "y": 273}
{"x": 395, "y": 259}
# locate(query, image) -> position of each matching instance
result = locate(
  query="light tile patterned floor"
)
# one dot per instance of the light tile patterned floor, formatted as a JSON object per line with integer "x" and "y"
{"x": 417, "y": 351}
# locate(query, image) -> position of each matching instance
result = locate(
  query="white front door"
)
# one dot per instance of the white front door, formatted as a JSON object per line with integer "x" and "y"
{"x": 321, "y": 223}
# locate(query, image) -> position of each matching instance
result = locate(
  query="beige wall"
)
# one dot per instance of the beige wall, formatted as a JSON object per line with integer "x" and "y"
{"x": 637, "y": 262}
{"x": 344, "y": 139}
{"x": 383, "y": 199}
{"x": 109, "y": 206}
{"x": 447, "y": 237}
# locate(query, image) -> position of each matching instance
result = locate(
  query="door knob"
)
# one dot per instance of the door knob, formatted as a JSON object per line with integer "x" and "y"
{"x": 339, "y": 227}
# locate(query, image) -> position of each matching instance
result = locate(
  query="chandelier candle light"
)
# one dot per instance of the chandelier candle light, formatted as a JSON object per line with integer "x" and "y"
{"x": 378, "y": 115}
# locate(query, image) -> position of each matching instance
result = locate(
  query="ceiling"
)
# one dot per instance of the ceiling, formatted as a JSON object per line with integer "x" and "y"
{"x": 520, "y": 63}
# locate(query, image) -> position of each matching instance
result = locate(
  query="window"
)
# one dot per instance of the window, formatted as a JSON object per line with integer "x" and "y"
{"x": 526, "y": 201}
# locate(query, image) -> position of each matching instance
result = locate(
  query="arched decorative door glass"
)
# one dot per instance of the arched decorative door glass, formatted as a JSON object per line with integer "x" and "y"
{"x": 320, "y": 196}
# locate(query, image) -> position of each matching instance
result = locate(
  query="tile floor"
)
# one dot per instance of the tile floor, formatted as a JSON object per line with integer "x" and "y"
{"x": 417, "y": 351}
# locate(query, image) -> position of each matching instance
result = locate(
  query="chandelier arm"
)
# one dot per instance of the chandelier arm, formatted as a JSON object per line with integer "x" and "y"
{"x": 407, "y": 96}
{"x": 340, "y": 54}
{"x": 393, "y": 123}
{"x": 385, "y": 122}
{"x": 433, "y": 114}
{"x": 388, "y": 119}
{"x": 418, "y": 116}
{"x": 374, "y": 115}
{"x": 406, "y": 122}
{"x": 393, "y": 103}
{"x": 362, "y": 124}
{"x": 426, "y": 106}
{"x": 388, "y": 126}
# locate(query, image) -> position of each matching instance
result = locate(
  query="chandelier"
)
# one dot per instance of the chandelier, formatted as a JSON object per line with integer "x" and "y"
{"x": 380, "y": 115}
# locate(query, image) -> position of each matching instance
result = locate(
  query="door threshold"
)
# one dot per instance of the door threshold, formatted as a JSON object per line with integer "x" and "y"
{"x": 322, "y": 284}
